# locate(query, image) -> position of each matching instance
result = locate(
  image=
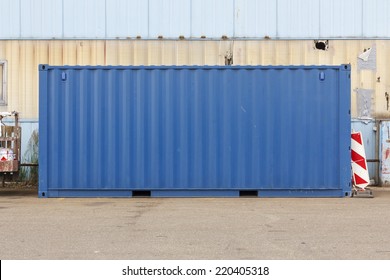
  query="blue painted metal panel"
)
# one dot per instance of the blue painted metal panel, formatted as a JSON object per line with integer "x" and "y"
{"x": 192, "y": 129}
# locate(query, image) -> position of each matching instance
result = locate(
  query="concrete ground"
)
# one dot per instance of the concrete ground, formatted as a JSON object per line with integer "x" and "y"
{"x": 194, "y": 228}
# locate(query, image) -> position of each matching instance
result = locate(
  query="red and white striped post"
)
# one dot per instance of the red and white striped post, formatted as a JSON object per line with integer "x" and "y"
{"x": 360, "y": 175}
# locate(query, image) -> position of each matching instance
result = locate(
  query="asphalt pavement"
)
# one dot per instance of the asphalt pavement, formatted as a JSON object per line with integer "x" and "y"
{"x": 194, "y": 228}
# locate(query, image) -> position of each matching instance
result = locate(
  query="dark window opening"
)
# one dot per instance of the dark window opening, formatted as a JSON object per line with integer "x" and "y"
{"x": 321, "y": 44}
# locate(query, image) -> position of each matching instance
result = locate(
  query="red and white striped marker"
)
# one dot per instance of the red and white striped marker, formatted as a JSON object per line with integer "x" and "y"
{"x": 361, "y": 178}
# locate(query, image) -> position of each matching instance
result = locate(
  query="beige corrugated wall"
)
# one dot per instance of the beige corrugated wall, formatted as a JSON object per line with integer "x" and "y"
{"x": 23, "y": 58}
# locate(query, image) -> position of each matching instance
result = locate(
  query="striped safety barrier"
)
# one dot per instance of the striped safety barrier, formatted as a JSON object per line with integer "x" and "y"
{"x": 360, "y": 174}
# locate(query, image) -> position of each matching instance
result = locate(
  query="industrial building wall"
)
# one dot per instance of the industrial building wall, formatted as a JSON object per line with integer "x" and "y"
{"x": 370, "y": 72}
{"x": 149, "y": 19}
{"x": 195, "y": 32}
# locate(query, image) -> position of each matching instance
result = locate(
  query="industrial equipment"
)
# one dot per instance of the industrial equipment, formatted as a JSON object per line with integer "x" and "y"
{"x": 10, "y": 141}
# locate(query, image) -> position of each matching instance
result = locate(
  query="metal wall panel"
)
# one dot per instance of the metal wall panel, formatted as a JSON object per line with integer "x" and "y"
{"x": 194, "y": 131}
{"x": 376, "y": 21}
{"x": 282, "y": 19}
{"x": 28, "y": 127}
{"x": 255, "y": 18}
{"x": 41, "y": 18}
{"x": 10, "y": 19}
{"x": 84, "y": 19}
{"x": 24, "y": 56}
{"x": 169, "y": 18}
{"x": 298, "y": 19}
{"x": 212, "y": 19}
{"x": 384, "y": 152}
{"x": 127, "y": 18}
{"x": 341, "y": 19}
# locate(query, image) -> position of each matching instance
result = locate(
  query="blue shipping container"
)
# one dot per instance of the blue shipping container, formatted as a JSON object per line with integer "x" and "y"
{"x": 268, "y": 131}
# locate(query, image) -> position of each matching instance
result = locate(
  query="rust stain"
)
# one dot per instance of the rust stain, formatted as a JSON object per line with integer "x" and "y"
{"x": 387, "y": 153}
{"x": 9, "y": 166}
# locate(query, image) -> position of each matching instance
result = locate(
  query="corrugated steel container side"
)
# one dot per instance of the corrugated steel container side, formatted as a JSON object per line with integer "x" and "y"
{"x": 194, "y": 131}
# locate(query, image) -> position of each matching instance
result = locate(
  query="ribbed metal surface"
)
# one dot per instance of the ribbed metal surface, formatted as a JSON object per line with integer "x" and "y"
{"x": 127, "y": 18}
{"x": 40, "y": 19}
{"x": 84, "y": 19}
{"x": 298, "y": 19}
{"x": 283, "y": 19}
{"x": 108, "y": 131}
{"x": 212, "y": 19}
{"x": 255, "y": 18}
{"x": 376, "y": 20}
{"x": 170, "y": 18}
{"x": 9, "y": 19}
{"x": 24, "y": 56}
{"x": 345, "y": 18}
